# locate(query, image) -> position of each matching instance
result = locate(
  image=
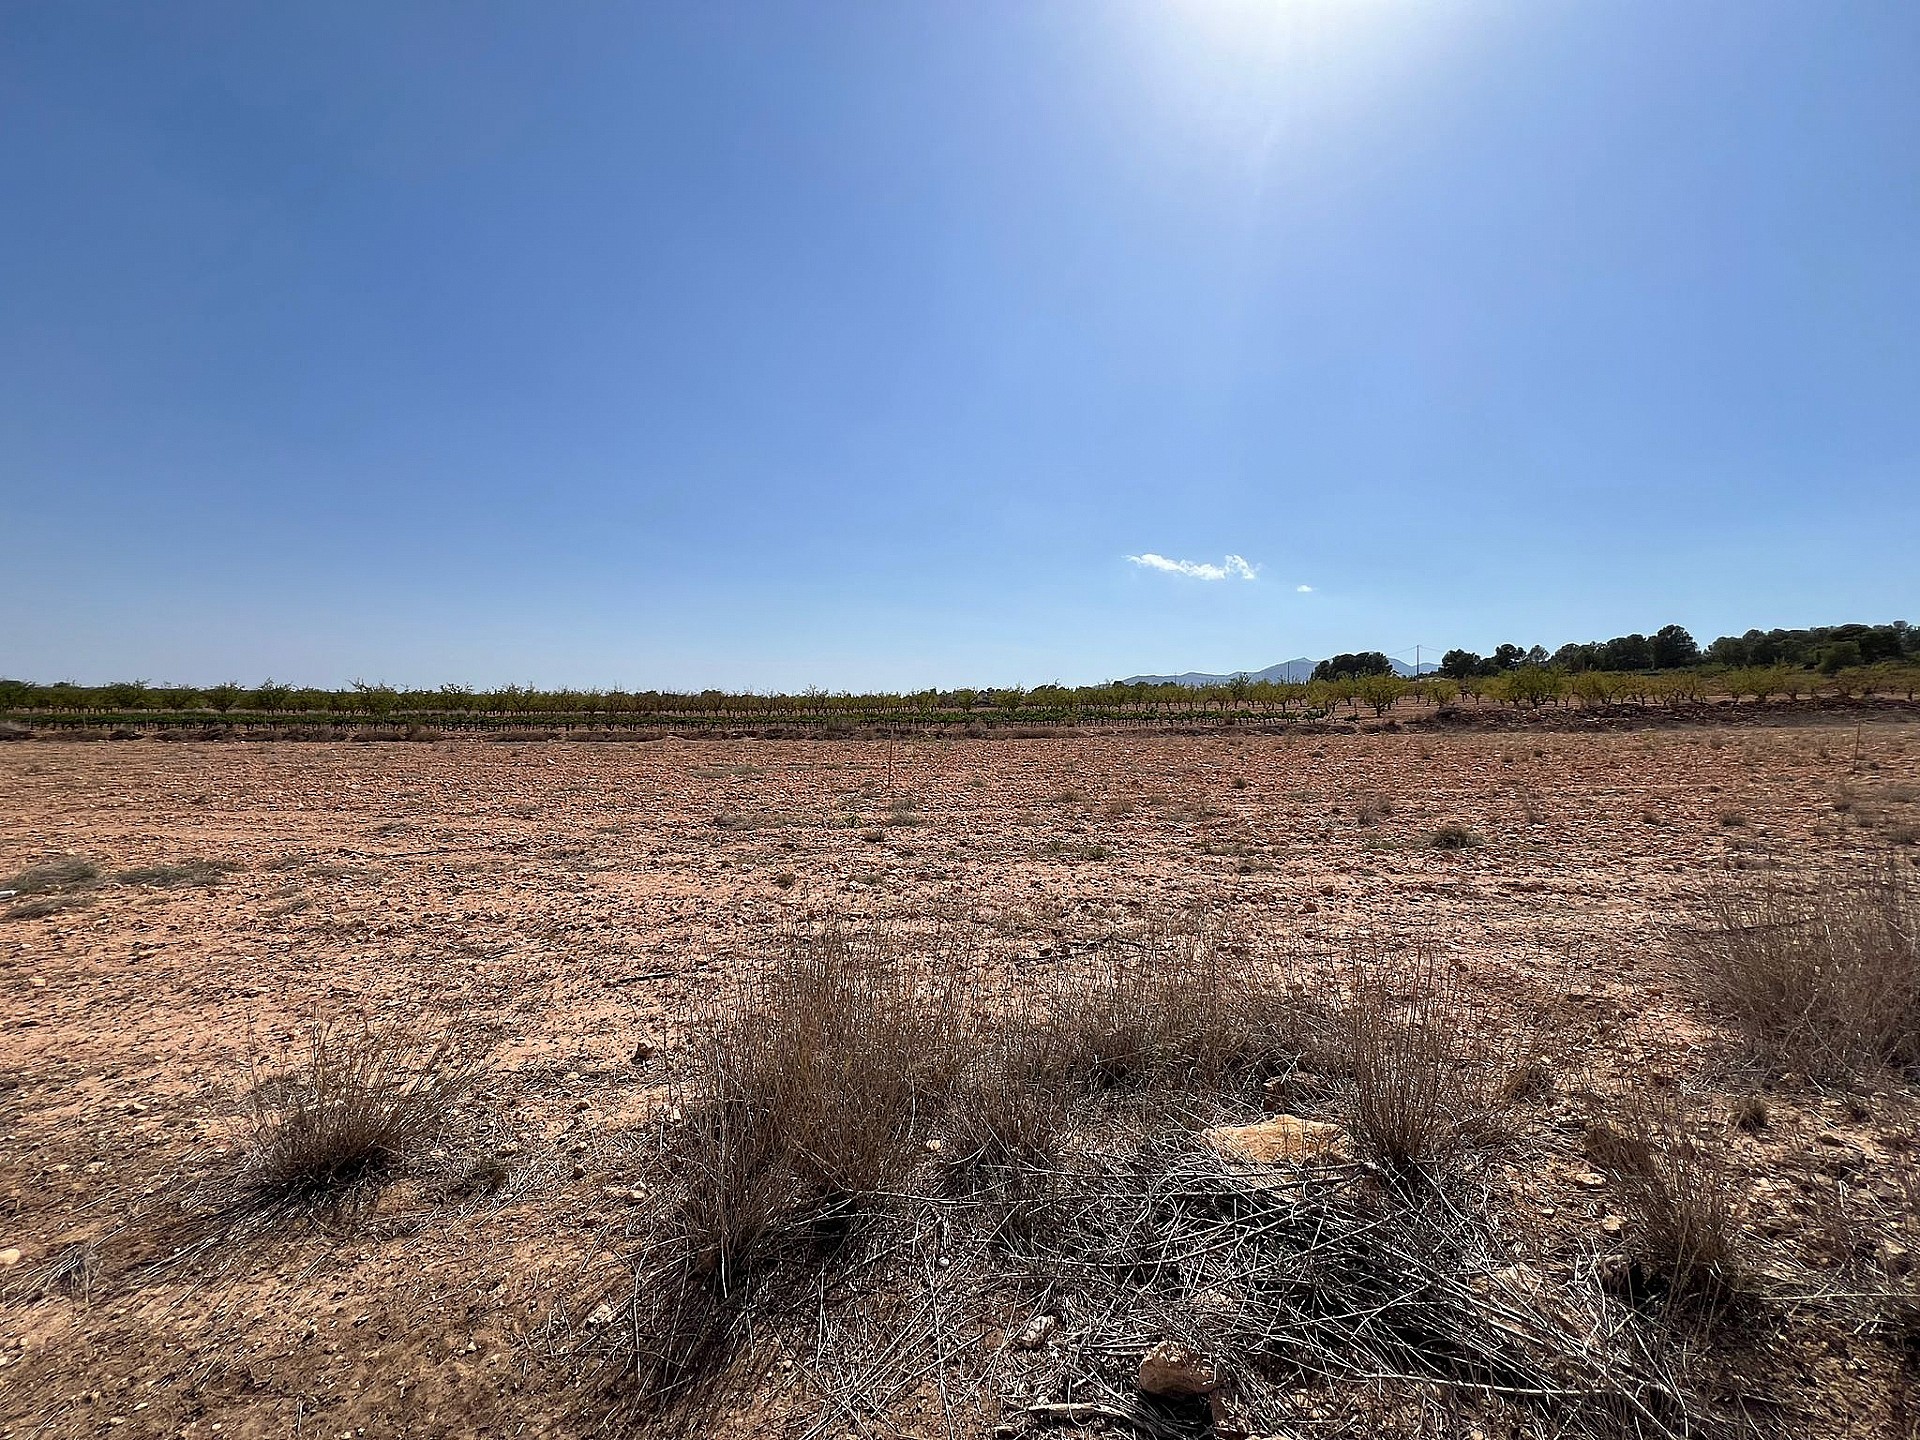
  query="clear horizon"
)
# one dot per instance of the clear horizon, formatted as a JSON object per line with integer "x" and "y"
{"x": 883, "y": 348}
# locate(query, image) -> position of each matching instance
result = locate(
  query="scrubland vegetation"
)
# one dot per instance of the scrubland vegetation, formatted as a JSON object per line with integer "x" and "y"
{"x": 1306, "y": 1084}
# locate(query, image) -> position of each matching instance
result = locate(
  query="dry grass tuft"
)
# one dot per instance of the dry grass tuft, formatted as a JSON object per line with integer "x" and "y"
{"x": 1681, "y": 1188}
{"x": 167, "y": 877}
{"x": 37, "y": 907}
{"x": 364, "y": 1099}
{"x": 51, "y": 887}
{"x": 1372, "y": 809}
{"x": 1424, "y": 1076}
{"x": 53, "y": 877}
{"x": 1826, "y": 981}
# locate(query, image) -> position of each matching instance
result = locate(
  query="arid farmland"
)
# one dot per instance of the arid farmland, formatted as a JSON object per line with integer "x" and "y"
{"x": 859, "y": 1087}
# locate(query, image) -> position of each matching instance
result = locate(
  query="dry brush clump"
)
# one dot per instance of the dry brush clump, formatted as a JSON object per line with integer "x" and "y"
{"x": 854, "y": 1070}
{"x": 1428, "y": 1071}
{"x": 348, "y": 1109}
{"x": 864, "y": 1120}
{"x": 1824, "y": 980}
{"x": 51, "y": 886}
{"x": 361, "y": 1100}
{"x": 1673, "y": 1172}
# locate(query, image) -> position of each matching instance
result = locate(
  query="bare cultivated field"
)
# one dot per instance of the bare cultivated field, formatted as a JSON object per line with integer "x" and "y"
{"x": 575, "y": 920}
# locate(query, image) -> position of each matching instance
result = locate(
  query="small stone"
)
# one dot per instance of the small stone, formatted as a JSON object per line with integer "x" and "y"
{"x": 601, "y": 1314}
{"x": 1612, "y": 1224}
{"x": 1283, "y": 1138}
{"x": 1036, "y": 1332}
{"x": 643, "y": 1052}
{"x": 38, "y": 982}
{"x": 10, "y": 1257}
{"x": 1590, "y": 1179}
{"x": 1173, "y": 1370}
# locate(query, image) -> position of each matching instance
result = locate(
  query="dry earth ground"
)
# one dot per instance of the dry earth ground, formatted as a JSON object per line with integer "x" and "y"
{"x": 576, "y": 899}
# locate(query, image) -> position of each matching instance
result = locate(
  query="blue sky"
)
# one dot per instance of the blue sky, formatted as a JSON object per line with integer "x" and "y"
{"x": 861, "y": 344}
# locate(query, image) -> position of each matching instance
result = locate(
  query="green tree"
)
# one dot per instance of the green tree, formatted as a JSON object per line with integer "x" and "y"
{"x": 1673, "y": 648}
{"x": 270, "y": 694}
{"x": 1381, "y": 692}
{"x": 1353, "y": 666}
{"x": 1841, "y": 655}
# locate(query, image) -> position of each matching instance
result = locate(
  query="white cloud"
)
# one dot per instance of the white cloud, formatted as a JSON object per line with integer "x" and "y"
{"x": 1234, "y": 567}
{"x": 1303, "y": 589}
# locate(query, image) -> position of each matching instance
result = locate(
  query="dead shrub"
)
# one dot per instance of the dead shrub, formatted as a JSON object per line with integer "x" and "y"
{"x": 362, "y": 1100}
{"x": 167, "y": 877}
{"x": 1826, "y": 981}
{"x": 1452, "y": 836}
{"x": 54, "y": 877}
{"x": 38, "y": 907}
{"x": 808, "y": 1089}
{"x": 822, "y": 1086}
{"x": 1424, "y": 1075}
{"x": 1176, "y": 1013}
{"x": 1372, "y": 809}
{"x": 1681, "y": 1189}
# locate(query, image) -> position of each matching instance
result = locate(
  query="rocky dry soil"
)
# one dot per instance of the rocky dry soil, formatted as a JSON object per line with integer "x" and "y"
{"x": 580, "y": 898}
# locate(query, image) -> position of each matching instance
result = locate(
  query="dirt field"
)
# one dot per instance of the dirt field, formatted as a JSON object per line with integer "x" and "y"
{"x": 582, "y": 897}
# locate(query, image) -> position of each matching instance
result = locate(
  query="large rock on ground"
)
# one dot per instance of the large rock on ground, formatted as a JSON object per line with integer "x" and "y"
{"x": 1284, "y": 1138}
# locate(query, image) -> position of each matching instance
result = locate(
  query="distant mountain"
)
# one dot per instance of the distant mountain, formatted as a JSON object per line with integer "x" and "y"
{"x": 1286, "y": 670}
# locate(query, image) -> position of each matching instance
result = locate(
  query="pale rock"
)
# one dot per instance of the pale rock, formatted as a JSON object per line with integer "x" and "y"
{"x": 1283, "y": 1138}
{"x": 1036, "y": 1333}
{"x": 1173, "y": 1370}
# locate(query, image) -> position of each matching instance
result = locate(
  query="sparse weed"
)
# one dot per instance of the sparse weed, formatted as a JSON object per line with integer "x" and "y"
{"x": 1372, "y": 809}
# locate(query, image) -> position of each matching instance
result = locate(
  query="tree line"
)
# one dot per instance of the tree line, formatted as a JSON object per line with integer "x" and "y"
{"x": 1667, "y": 667}
{"x": 1826, "y": 648}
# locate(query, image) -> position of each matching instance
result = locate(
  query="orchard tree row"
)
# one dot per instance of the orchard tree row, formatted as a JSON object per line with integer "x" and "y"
{"x": 1667, "y": 667}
